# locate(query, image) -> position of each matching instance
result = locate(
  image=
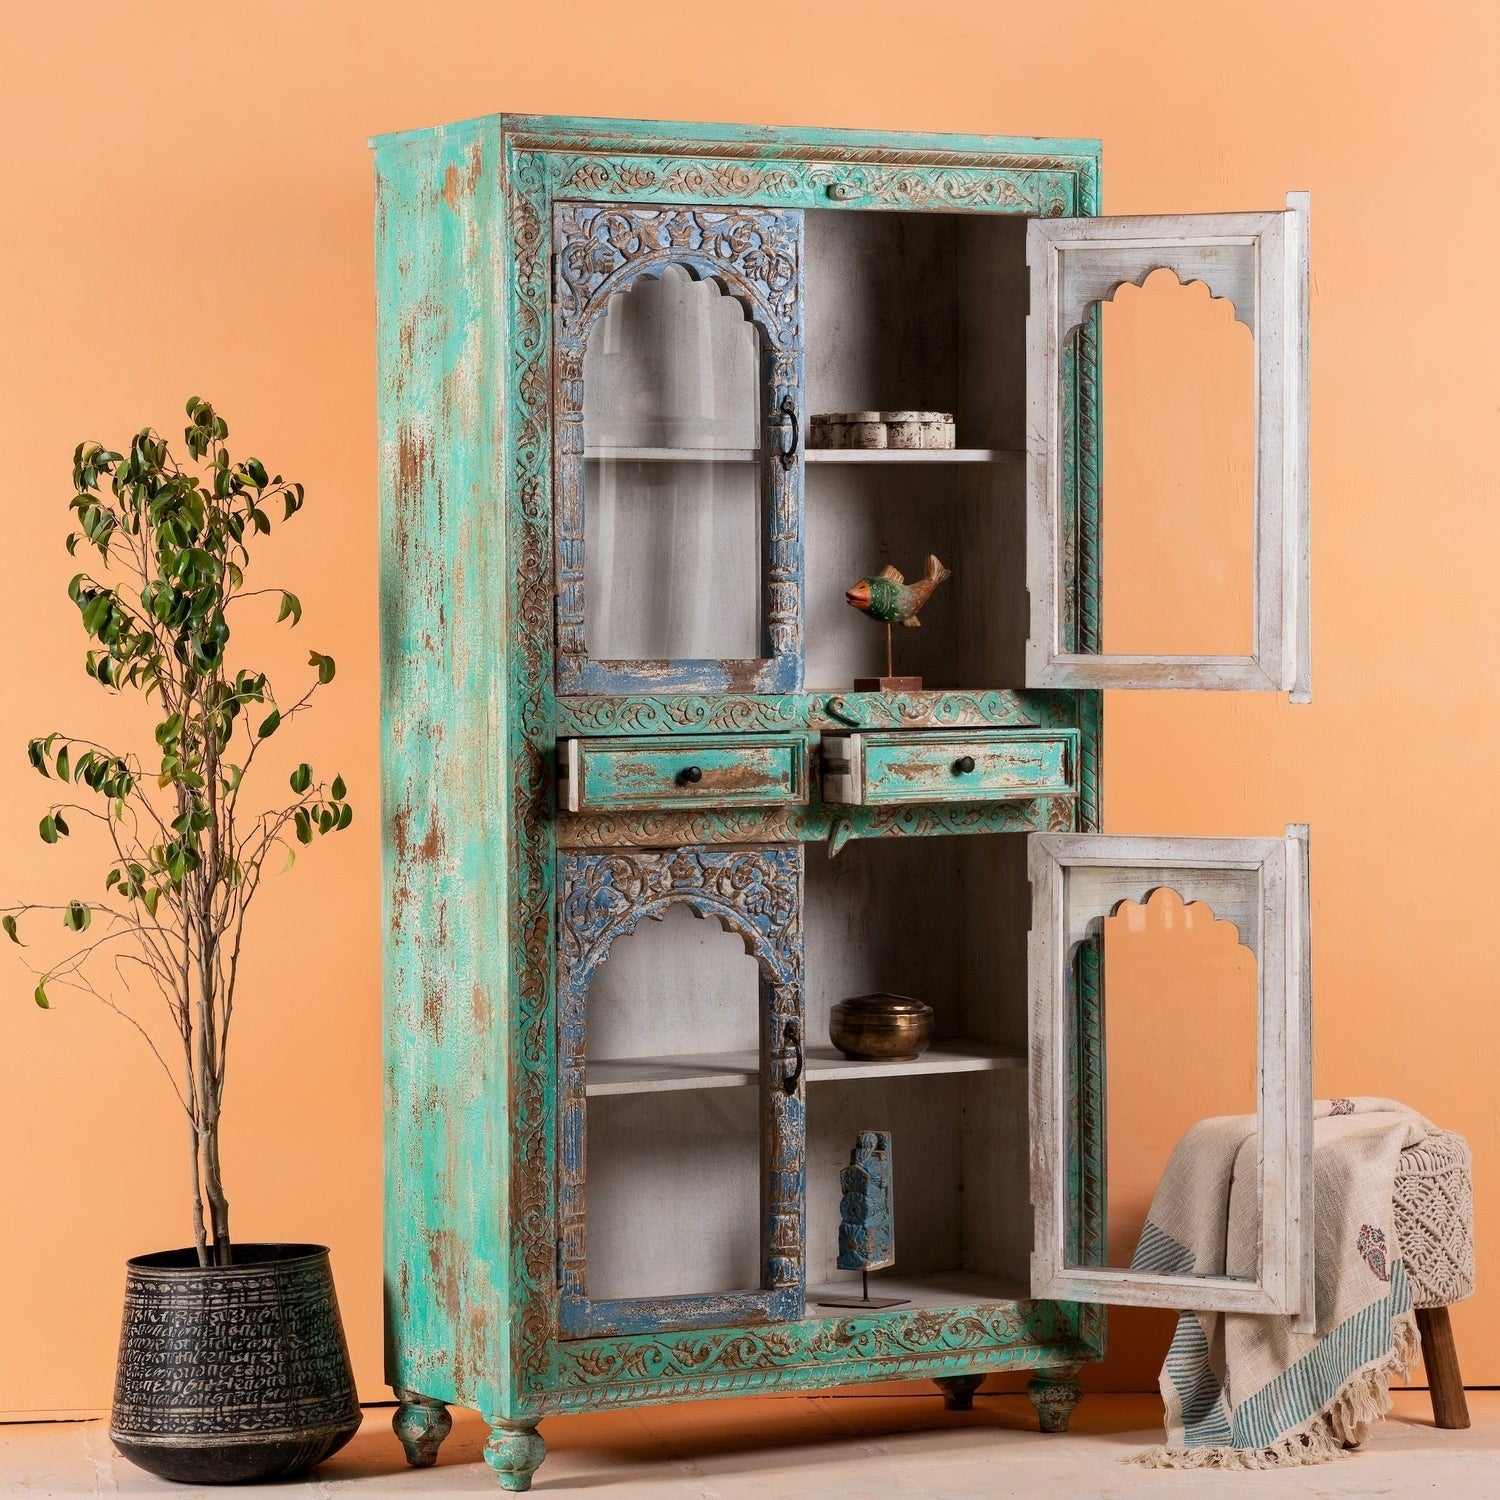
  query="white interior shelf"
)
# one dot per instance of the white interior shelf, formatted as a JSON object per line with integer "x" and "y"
{"x": 675, "y": 455}
{"x": 911, "y": 455}
{"x": 937, "y": 1289}
{"x": 812, "y": 455}
{"x": 730, "y": 1070}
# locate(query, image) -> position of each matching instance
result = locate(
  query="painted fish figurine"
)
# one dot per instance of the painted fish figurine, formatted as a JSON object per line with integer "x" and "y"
{"x": 889, "y": 597}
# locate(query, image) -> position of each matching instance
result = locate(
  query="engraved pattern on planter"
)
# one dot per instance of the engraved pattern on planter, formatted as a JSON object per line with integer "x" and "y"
{"x": 232, "y": 1352}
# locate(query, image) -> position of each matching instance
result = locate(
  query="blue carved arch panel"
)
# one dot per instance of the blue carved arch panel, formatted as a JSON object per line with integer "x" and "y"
{"x": 755, "y": 893}
{"x": 754, "y": 256}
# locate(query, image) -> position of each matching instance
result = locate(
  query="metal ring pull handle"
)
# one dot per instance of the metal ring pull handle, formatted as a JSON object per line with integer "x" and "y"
{"x": 790, "y": 1037}
{"x": 690, "y": 775}
{"x": 788, "y": 454}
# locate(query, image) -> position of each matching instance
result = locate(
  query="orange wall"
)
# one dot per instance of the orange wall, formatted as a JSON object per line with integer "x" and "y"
{"x": 189, "y": 211}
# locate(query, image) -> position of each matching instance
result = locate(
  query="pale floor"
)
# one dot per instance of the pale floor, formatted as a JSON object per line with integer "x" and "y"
{"x": 808, "y": 1448}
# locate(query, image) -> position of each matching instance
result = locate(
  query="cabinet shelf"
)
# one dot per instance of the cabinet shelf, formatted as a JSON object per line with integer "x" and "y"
{"x": 675, "y": 455}
{"x": 812, "y": 455}
{"x": 933, "y": 1289}
{"x": 913, "y": 455}
{"x": 730, "y": 1070}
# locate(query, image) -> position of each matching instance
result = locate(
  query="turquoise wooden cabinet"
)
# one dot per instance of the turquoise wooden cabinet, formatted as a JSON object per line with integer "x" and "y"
{"x": 640, "y": 834}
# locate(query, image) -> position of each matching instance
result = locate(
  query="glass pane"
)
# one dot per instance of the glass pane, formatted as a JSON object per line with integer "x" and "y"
{"x": 672, "y": 484}
{"x": 1179, "y": 999}
{"x": 674, "y": 1174}
{"x": 1178, "y": 471}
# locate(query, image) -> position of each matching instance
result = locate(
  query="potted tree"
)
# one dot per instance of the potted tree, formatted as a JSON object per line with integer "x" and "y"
{"x": 233, "y": 1364}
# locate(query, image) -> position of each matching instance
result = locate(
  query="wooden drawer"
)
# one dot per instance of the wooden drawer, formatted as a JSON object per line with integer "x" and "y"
{"x": 739, "y": 770}
{"x": 924, "y": 765}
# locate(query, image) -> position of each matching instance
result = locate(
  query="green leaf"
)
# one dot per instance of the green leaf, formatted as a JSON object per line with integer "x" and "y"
{"x": 304, "y": 826}
{"x": 302, "y": 778}
{"x": 338, "y": 788}
{"x": 40, "y": 995}
{"x": 8, "y": 922}
{"x": 290, "y": 605}
{"x": 270, "y": 723}
{"x": 62, "y": 763}
{"x": 346, "y": 816}
{"x": 324, "y": 664}
{"x": 48, "y": 829}
{"x": 77, "y": 916}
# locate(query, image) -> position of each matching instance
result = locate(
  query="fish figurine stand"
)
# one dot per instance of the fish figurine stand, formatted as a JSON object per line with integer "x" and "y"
{"x": 867, "y": 1230}
{"x": 886, "y": 596}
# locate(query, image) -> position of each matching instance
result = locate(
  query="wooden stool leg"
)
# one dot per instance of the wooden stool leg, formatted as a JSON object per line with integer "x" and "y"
{"x": 1440, "y": 1355}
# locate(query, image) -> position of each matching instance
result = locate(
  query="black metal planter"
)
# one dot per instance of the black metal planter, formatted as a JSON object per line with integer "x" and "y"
{"x": 232, "y": 1373}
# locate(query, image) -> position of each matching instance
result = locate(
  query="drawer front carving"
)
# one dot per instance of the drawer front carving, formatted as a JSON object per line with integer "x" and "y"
{"x": 748, "y": 770}
{"x": 975, "y": 766}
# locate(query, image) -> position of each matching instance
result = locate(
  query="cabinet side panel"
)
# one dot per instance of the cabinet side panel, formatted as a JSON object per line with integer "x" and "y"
{"x": 444, "y": 802}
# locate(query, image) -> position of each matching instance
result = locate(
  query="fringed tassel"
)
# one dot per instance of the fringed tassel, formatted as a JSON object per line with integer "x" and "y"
{"x": 1341, "y": 1425}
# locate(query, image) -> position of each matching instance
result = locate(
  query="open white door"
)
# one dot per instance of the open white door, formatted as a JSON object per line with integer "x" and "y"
{"x": 1258, "y": 262}
{"x": 1079, "y": 880}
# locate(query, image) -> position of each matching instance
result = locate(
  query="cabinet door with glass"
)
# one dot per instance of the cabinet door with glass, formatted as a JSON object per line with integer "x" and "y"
{"x": 1208, "y": 587}
{"x": 681, "y": 1088}
{"x": 1211, "y": 309}
{"x": 1222, "y": 923}
{"x": 677, "y": 343}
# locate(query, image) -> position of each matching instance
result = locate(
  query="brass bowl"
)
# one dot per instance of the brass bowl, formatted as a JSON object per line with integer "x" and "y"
{"x": 881, "y": 1028}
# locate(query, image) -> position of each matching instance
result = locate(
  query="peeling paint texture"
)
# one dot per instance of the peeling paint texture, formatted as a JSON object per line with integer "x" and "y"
{"x": 481, "y": 619}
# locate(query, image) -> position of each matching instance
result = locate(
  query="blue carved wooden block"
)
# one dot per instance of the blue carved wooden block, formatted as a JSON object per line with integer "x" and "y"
{"x": 867, "y": 1231}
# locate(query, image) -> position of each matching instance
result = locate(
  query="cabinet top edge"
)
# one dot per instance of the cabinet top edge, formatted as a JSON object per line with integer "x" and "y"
{"x": 597, "y": 132}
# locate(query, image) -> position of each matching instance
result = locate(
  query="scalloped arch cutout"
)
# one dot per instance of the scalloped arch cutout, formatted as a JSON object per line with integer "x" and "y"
{"x": 704, "y": 907}
{"x": 1095, "y": 274}
{"x": 1159, "y": 277}
{"x": 673, "y": 361}
{"x": 687, "y": 271}
{"x": 1159, "y": 913}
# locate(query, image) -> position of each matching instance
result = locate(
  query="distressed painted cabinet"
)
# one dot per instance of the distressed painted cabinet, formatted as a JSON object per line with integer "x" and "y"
{"x": 640, "y": 833}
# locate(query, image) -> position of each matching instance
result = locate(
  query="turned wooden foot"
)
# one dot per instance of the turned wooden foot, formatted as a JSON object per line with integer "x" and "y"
{"x": 1450, "y": 1407}
{"x": 421, "y": 1423}
{"x": 958, "y": 1390}
{"x": 1055, "y": 1393}
{"x": 515, "y": 1452}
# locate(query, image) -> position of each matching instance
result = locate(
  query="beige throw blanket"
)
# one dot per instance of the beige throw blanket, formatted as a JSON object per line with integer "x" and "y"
{"x": 1244, "y": 1391}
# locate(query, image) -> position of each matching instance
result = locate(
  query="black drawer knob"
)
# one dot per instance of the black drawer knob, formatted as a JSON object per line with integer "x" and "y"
{"x": 963, "y": 765}
{"x": 690, "y": 776}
